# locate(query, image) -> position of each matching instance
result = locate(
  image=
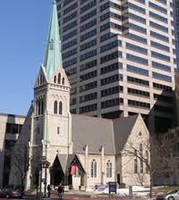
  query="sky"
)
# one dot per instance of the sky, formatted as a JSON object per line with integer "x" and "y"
{"x": 23, "y": 37}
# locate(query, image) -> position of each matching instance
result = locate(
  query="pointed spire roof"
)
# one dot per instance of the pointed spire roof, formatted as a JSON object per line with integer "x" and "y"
{"x": 53, "y": 57}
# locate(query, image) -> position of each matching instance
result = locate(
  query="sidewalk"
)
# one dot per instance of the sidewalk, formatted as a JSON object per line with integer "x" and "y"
{"x": 71, "y": 194}
{"x": 83, "y": 195}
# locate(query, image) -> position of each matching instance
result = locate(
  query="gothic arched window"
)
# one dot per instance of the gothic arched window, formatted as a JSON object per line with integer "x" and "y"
{"x": 60, "y": 107}
{"x": 41, "y": 79}
{"x": 135, "y": 161}
{"x": 55, "y": 107}
{"x": 55, "y": 79}
{"x": 141, "y": 158}
{"x": 147, "y": 162}
{"x": 42, "y": 107}
{"x": 108, "y": 169}
{"x": 93, "y": 168}
{"x": 59, "y": 78}
{"x": 63, "y": 81}
{"x": 37, "y": 107}
{"x": 58, "y": 130}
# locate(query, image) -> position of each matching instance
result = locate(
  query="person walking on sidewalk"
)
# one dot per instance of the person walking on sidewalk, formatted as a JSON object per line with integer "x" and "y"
{"x": 49, "y": 190}
{"x": 60, "y": 191}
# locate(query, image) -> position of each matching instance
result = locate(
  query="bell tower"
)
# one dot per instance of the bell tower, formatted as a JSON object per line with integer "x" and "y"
{"x": 51, "y": 118}
{"x": 47, "y": 130}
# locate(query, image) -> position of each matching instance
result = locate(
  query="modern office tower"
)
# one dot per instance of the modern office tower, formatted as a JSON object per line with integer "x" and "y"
{"x": 120, "y": 58}
{"x": 176, "y": 20}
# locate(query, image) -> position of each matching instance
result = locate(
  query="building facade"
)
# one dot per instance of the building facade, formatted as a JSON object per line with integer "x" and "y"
{"x": 170, "y": 151}
{"x": 120, "y": 58}
{"x": 176, "y": 20}
{"x": 80, "y": 151}
{"x": 10, "y": 128}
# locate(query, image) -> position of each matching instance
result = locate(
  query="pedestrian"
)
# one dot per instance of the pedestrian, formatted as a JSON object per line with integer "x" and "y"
{"x": 60, "y": 191}
{"x": 49, "y": 190}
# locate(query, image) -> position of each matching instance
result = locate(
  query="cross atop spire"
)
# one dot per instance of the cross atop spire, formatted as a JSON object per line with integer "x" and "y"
{"x": 53, "y": 57}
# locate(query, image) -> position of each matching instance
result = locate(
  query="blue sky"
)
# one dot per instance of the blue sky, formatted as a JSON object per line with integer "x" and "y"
{"x": 23, "y": 34}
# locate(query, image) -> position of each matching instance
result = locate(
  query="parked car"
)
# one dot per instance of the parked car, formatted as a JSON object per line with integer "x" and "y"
{"x": 11, "y": 192}
{"x": 171, "y": 195}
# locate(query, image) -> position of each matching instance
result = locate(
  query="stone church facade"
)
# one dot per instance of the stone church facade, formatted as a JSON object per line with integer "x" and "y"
{"x": 79, "y": 151}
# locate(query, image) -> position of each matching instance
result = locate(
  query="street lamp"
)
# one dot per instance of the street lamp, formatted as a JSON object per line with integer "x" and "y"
{"x": 39, "y": 179}
{"x": 45, "y": 165}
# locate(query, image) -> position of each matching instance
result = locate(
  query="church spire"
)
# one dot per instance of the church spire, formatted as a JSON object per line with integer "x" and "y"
{"x": 53, "y": 57}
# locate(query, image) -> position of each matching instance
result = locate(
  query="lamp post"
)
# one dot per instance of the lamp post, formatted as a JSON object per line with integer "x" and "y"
{"x": 45, "y": 165}
{"x": 39, "y": 179}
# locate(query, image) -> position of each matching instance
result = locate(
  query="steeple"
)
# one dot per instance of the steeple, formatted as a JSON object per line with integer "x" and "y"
{"x": 53, "y": 57}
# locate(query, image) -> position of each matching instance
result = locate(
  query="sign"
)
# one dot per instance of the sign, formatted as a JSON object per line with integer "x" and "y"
{"x": 100, "y": 187}
{"x": 112, "y": 187}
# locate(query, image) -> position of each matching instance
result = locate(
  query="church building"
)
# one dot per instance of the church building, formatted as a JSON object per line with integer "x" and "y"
{"x": 79, "y": 151}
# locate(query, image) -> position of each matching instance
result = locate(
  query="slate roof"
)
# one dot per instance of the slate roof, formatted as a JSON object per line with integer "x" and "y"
{"x": 63, "y": 161}
{"x": 96, "y": 132}
{"x": 122, "y": 129}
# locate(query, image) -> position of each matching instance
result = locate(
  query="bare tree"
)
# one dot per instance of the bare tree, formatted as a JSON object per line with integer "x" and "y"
{"x": 21, "y": 160}
{"x": 153, "y": 157}
{"x": 168, "y": 156}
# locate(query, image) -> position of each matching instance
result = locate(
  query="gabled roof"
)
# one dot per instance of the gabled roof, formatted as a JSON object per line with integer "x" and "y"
{"x": 122, "y": 129}
{"x": 63, "y": 160}
{"x": 97, "y": 132}
{"x": 42, "y": 71}
{"x": 53, "y": 57}
{"x": 73, "y": 159}
{"x": 67, "y": 160}
{"x": 94, "y": 132}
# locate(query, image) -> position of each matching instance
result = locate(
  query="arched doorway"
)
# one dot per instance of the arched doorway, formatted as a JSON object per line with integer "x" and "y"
{"x": 56, "y": 173}
{"x": 76, "y": 173}
{"x": 64, "y": 171}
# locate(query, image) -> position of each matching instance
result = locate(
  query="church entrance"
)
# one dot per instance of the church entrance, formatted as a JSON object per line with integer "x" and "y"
{"x": 56, "y": 173}
{"x": 67, "y": 170}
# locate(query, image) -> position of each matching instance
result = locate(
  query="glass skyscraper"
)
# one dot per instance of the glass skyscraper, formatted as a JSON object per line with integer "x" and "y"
{"x": 120, "y": 58}
{"x": 176, "y": 20}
